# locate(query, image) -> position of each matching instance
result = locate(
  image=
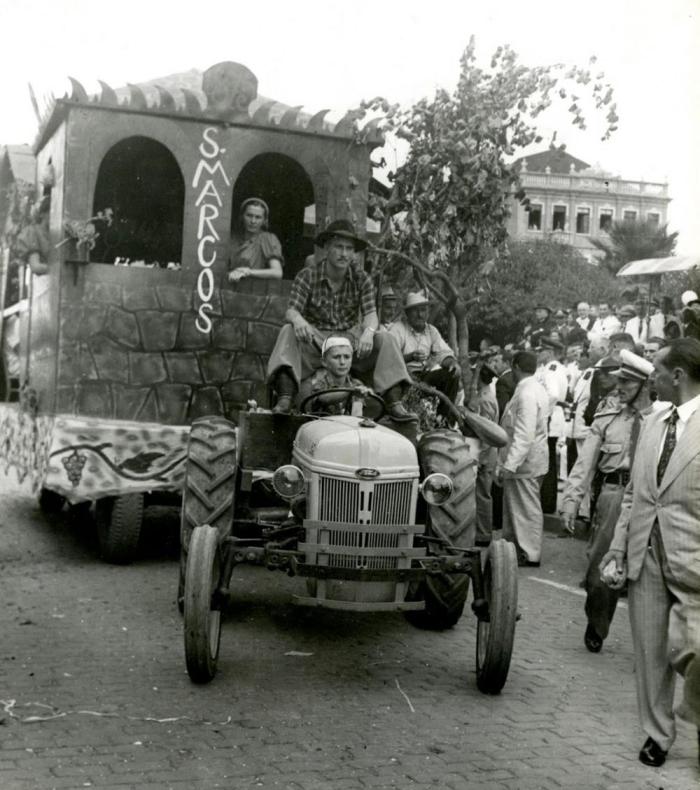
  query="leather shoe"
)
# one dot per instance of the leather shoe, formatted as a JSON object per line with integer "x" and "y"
{"x": 397, "y": 411}
{"x": 283, "y": 405}
{"x": 652, "y": 754}
{"x": 593, "y": 641}
{"x": 525, "y": 562}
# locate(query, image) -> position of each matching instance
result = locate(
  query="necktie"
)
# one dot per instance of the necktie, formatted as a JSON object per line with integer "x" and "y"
{"x": 669, "y": 445}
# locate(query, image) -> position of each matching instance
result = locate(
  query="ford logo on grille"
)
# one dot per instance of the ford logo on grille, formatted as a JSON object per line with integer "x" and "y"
{"x": 367, "y": 474}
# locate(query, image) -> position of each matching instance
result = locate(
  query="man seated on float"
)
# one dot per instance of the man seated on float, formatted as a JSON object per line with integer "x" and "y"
{"x": 328, "y": 298}
{"x": 336, "y": 357}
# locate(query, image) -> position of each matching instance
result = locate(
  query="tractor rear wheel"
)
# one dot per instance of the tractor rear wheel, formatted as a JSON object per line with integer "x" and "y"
{"x": 119, "y": 520}
{"x": 496, "y": 627}
{"x": 202, "y": 610}
{"x": 210, "y": 485}
{"x": 445, "y": 594}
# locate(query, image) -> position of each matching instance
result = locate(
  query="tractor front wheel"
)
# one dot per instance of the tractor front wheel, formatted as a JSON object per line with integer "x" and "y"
{"x": 202, "y": 615}
{"x": 496, "y": 626}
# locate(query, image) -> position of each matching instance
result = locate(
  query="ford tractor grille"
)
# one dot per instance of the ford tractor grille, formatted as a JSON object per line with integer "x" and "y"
{"x": 365, "y": 502}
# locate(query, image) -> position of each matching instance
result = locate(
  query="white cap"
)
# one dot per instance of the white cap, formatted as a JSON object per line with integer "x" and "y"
{"x": 687, "y": 297}
{"x": 335, "y": 340}
{"x": 633, "y": 367}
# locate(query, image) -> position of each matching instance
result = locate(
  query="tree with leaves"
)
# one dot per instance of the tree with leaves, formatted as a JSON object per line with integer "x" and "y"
{"x": 532, "y": 273}
{"x": 450, "y": 199}
{"x": 632, "y": 241}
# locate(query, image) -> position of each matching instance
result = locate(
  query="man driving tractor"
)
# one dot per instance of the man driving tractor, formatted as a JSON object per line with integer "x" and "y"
{"x": 336, "y": 357}
{"x": 334, "y": 297}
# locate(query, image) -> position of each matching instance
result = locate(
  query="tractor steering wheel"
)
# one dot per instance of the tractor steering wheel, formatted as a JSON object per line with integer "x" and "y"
{"x": 350, "y": 391}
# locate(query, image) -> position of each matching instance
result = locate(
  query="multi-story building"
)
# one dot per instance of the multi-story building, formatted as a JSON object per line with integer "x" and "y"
{"x": 572, "y": 202}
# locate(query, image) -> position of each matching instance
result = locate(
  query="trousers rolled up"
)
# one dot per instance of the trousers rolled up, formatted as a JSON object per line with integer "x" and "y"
{"x": 601, "y": 601}
{"x": 303, "y": 359}
{"x": 523, "y": 523}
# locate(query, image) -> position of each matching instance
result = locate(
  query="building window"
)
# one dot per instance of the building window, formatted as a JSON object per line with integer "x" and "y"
{"x": 653, "y": 219}
{"x": 559, "y": 218}
{"x": 630, "y": 216}
{"x": 534, "y": 217}
{"x": 583, "y": 220}
{"x": 605, "y": 219}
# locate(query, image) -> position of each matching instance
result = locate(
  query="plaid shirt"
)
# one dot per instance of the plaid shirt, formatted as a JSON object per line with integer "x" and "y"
{"x": 325, "y": 309}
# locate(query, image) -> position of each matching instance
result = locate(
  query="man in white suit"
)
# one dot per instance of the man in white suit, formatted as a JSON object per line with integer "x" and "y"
{"x": 524, "y": 461}
{"x": 656, "y": 547}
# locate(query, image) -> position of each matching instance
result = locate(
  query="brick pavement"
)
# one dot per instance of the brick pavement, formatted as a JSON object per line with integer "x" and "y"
{"x": 101, "y": 646}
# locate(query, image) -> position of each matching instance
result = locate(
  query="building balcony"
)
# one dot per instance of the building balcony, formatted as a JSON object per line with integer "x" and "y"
{"x": 594, "y": 183}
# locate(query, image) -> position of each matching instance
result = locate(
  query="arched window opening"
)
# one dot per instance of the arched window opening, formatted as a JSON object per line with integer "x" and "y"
{"x": 140, "y": 180}
{"x": 286, "y": 188}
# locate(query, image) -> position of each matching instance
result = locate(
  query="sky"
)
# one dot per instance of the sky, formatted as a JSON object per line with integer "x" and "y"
{"x": 327, "y": 54}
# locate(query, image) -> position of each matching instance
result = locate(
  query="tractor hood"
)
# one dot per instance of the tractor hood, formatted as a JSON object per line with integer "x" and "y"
{"x": 342, "y": 445}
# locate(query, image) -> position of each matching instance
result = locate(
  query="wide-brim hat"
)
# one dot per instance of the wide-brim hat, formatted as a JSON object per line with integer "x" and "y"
{"x": 344, "y": 229}
{"x": 415, "y": 299}
{"x": 388, "y": 293}
{"x": 632, "y": 367}
{"x": 544, "y": 307}
{"x": 628, "y": 310}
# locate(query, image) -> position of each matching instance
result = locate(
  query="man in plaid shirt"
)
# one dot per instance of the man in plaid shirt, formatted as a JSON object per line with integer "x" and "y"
{"x": 335, "y": 297}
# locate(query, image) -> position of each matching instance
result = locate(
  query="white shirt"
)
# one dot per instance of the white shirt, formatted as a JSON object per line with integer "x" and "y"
{"x": 552, "y": 376}
{"x": 604, "y": 327}
{"x": 638, "y": 328}
{"x": 685, "y": 412}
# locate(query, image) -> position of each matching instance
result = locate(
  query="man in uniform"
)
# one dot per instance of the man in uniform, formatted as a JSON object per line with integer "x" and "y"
{"x": 608, "y": 452}
{"x": 330, "y": 297}
{"x": 522, "y": 463}
{"x": 551, "y": 374}
{"x": 656, "y": 547}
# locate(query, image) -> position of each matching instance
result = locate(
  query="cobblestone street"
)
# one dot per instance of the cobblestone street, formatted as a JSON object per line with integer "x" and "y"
{"x": 94, "y": 691}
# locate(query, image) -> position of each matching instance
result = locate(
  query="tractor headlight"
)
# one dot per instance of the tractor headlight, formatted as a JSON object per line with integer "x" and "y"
{"x": 288, "y": 481}
{"x": 436, "y": 489}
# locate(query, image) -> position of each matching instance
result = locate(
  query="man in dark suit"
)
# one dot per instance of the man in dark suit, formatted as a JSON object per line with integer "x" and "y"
{"x": 656, "y": 546}
{"x": 505, "y": 383}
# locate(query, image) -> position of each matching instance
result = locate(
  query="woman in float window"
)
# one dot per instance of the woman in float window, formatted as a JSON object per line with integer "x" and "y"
{"x": 255, "y": 252}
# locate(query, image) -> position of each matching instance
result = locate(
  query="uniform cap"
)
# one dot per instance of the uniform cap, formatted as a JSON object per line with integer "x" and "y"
{"x": 607, "y": 364}
{"x": 633, "y": 367}
{"x": 415, "y": 299}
